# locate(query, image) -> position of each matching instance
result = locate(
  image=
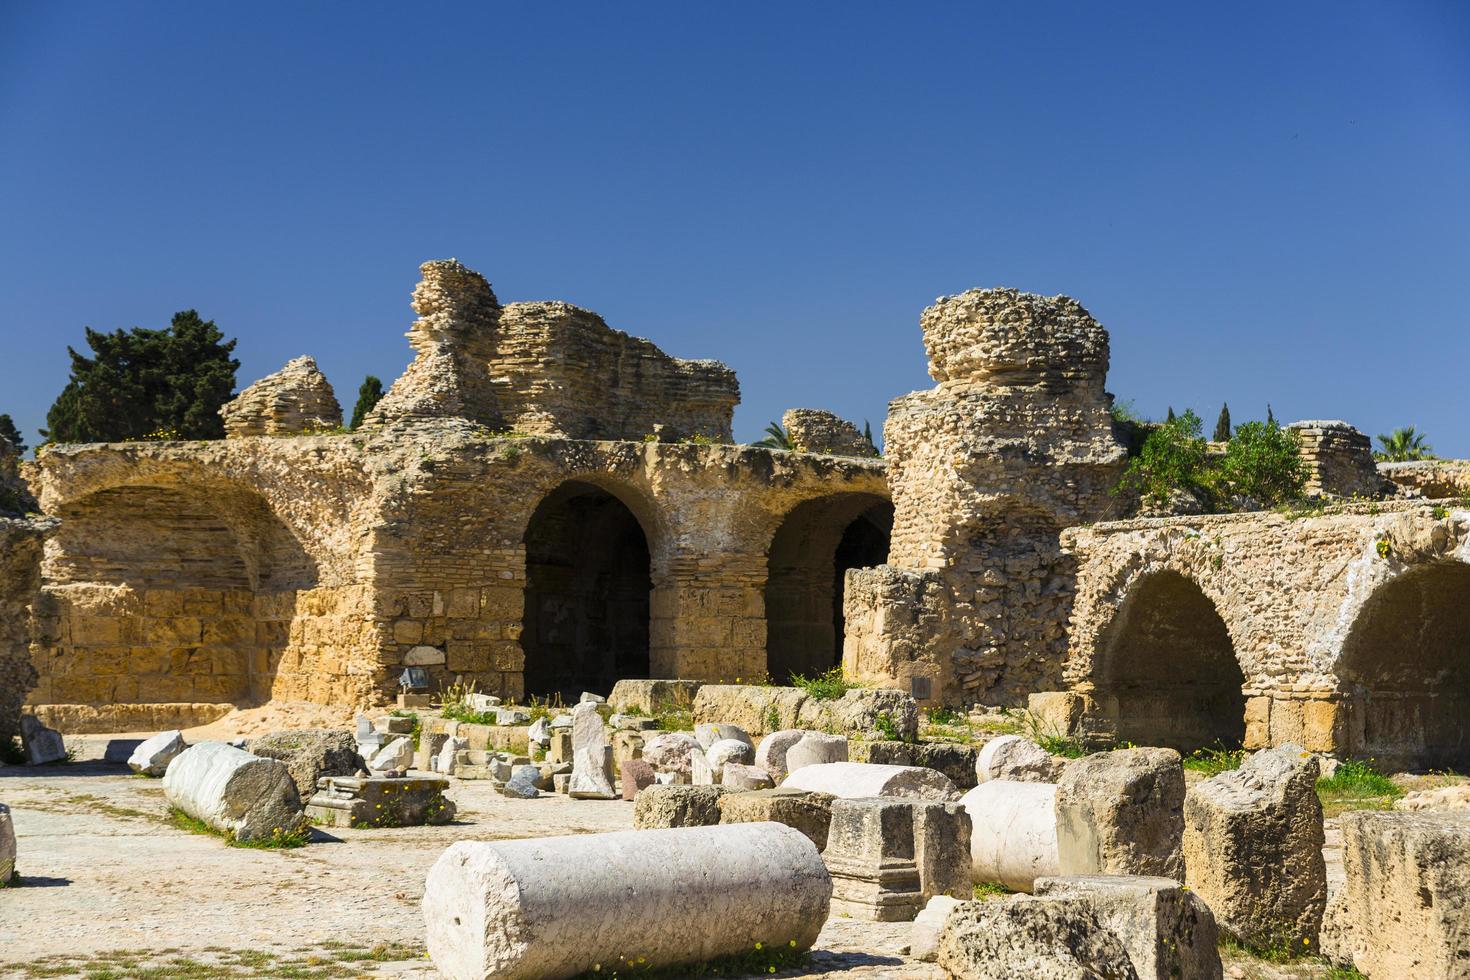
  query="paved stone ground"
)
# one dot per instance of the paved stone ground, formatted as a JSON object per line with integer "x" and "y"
{"x": 106, "y": 882}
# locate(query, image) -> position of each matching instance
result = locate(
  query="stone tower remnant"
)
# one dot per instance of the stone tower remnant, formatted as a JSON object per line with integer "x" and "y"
{"x": 1015, "y": 443}
{"x": 295, "y": 399}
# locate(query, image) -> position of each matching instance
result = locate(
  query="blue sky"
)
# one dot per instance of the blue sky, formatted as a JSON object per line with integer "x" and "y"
{"x": 1263, "y": 202}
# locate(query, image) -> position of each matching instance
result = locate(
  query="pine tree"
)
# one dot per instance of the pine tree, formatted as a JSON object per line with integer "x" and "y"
{"x": 1222, "y": 424}
{"x": 11, "y": 434}
{"x": 143, "y": 383}
{"x": 368, "y": 394}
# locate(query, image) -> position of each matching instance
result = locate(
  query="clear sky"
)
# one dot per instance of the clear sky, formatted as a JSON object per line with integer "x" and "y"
{"x": 1263, "y": 202}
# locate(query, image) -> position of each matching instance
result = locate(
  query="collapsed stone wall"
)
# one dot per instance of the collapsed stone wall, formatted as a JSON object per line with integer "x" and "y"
{"x": 813, "y": 430}
{"x": 1437, "y": 479}
{"x": 295, "y": 399}
{"x": 22, "y": 535}
{"x": 1348, "y": 630}
{"x": 188, "y": 578}
{"x": 547, "y": 368}
{"x": 1339, "y": 460}
{"x": 1015, "y": 443}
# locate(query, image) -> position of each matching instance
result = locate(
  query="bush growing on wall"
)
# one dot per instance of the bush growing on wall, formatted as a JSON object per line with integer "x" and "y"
{"x": 1263, "y": 463}
{"x": 1173, "y": 459}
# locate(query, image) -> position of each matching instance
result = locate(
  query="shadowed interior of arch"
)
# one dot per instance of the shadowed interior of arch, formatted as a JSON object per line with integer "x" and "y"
{"x": 1169, "y": 662}
{"x": 1405, "y": 670}
{"x": 587, "y": 593}
{"x": 810, "y": 555}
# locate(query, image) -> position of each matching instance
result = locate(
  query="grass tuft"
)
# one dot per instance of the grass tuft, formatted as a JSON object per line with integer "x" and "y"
{"x": 1214, "y": 761}
{"x": 828, "y": 686}
{"x": 278, "y": 840}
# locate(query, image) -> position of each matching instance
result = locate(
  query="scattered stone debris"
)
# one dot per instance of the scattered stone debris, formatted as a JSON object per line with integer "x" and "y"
{"x": 152, "y": 756}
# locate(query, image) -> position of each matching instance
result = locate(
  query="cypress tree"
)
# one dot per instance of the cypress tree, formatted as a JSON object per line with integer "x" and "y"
{"x": 1170, "y": 416}
{"x": 1222, "y": 424}
{"x": 1270, "y": 419}
{"x": 369, "y": 393}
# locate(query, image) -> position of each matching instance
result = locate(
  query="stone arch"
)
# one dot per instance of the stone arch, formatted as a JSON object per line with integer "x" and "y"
{"x": 1167, "y": 670}
{"x": 1404, "y": 670}
{"x": 588, "y": 590}
{"x": 810, "y": 554}
{"x": 167, "y": 594}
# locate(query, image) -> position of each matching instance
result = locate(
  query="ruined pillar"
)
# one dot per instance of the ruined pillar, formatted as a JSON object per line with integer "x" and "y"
{"x": 1014, "y": 444}
{"x": 1339, "y": 459}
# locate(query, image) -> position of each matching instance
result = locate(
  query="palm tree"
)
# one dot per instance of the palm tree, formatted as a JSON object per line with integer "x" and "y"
{"x": 776, "y": 438}
{"x": 1403, "y": 445}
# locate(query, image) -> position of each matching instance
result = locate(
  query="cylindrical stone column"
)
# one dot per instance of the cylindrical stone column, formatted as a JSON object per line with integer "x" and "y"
{"x": 234, "y": 791}
{"x": 1013, "y": 832}
{"x": 559, "y": 906}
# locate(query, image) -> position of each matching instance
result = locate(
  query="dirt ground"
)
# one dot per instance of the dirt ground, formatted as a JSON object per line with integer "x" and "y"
{"x": 110, "y": 891}
{"x": 106, "y": 882}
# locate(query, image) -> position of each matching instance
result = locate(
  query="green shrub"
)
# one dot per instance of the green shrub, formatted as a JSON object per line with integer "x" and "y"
{"x": 828, "y": 686}
{"x": 1359, "y": 777}
{"x": 1173, "y": 458}
{"x": 1214, "y": 761}
{"x": 886, "y": 729}
{"x": 1263, "y": 462}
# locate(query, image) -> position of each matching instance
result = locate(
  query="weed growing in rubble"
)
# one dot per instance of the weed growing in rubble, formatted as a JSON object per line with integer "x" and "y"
{"x": 828, "y": 686}
{"x": 279, "y": 839}
{"x": 1214, "y": 761}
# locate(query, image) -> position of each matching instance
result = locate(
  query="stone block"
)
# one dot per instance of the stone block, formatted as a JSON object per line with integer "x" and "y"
{"x": 41, "y": 745}
{"x": 652, "y": 696}
{"x": 942, "y": 848}
{"x": 7, "y": 846}
{"x": 1017, "y": 759}
{"x": 380, "y": 801}
{"x": 816, "y": 748}
{"x": 592, "y": 777}
{"x": 1029, "y": 936}
{"x": 810, "y": 813}
{"x": 928, "y": 924}
{"x": 770, "y": 754}
{"x": 635, "y": 776}
{"x": 671, "y": 752}
{"x": 152, "y": 756}
{"x": 727, "y": 750}
{"x": 709, "y": 733}
{"x": 1403, "y": 909}
{"x": 854, "y": 780}
{"x": 626, "y": 746}
{"x": 870, "y": 855}
{"x": 1168, "y": 931}
{"x": 953, "y": 760}
{"x": 234, "y": 791}
{"x": 559, "y": 906}
{"x": 396, "y": 756}
{"x": 1122, "y": 813}
{"x": 1253, "y": 848}
{"x": 738, "y": 777}
{"x": 559, "y": 749}
{"x": 677, "y": 806}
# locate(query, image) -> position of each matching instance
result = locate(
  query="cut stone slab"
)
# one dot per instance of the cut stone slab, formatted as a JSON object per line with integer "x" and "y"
{"x": 652, "y": 696}
{"x": 234, "y": 791}
{"x": 1403, "y": 909}
{"x": 635, "y": 775}
{"x": 592, "y": 777}
{"x": 870, "y": 854}
{"x": 589, "y": 698}
{"x": 671, "y": 752}
{"x": 396, "y": 756}
{"x": 310, "y": 754}
{"x": 942, "y": 849}
{"x": 1168, "y": 930}
{"x": 1253, "y": 848}
{"x": 928, "y": 924}
{"x": 1031, "y": 937}
{"x": 954, "y": 760}
{"x": 152, "y": 756}
{"x": 1122, "y": 813}
{"x": 1013, "y": 833}
{"x": 738, "y": 777}
{"x": 1016, "y": 759}
{"x": 816, "y": 748}
{"x": 677, "y": 806}
{"x": 7, "y": 846}
{"x": 810, "y": 813}
{"x": 380, "y": 801}
{"x": 558, "y": 907}
{"x": 41, "y": 745}
{"x": 856, "y": 780}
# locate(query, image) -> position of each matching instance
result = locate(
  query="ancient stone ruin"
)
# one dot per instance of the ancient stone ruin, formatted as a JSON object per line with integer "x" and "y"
{"x": 815, "y": 681}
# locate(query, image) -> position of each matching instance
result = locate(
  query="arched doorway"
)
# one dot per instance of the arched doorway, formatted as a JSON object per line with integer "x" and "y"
{"x": 1169, "y": 662}
{"x": 1405, "y": 670}
{"x": 810, "y": 555}
{"x": 587, "y": 593}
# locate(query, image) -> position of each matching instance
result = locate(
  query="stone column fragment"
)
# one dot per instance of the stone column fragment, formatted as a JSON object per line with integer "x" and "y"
{"x": 233, "y": 791}
{"x": 556, "y": 907}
